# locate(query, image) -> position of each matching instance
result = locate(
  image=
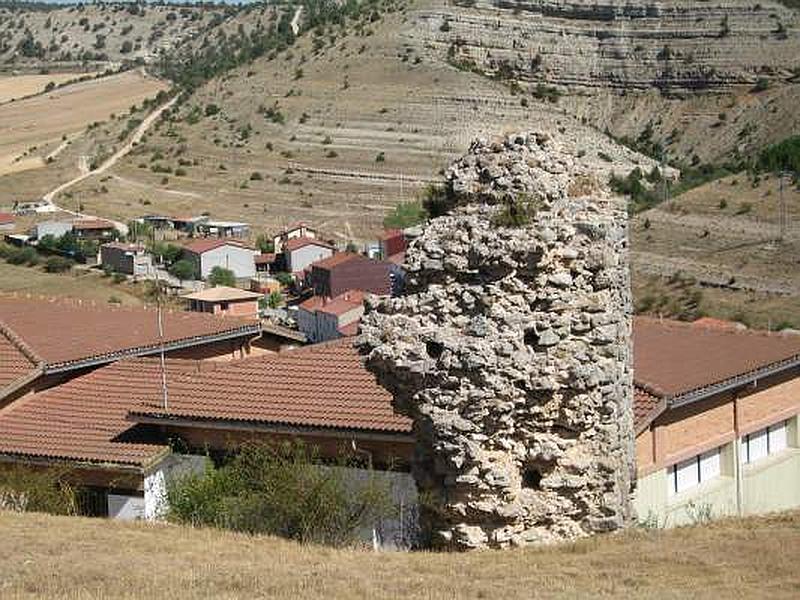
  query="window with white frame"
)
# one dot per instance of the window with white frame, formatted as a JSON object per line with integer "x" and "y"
{"x": 763, "y": 443}
{"x": 694, "y": 471}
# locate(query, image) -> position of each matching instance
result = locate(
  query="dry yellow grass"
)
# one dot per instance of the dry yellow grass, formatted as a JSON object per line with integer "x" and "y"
{"x": 49, "y": 557}
{"x": 19, "y": 86}
{"x": 78, "y": 284}
{"x": 41, "y": 121}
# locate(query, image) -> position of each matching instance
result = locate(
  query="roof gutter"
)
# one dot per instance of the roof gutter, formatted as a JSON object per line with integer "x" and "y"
{"x": 254, "y": 330}
{"x": 20, "y": 383}
{"x": 251, "y": 427}
{"x": 732, "y": 383}
{"x": 45, "y": 461}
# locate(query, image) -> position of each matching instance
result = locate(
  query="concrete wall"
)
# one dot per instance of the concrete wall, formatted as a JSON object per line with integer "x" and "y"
{"x": 302, "y": 257}
{"x": 158, "y": 479}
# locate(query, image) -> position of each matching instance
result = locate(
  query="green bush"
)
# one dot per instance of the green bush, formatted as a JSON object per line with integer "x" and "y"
{"x": 516, "y": 211}
{"x": 25, "y": 489}
{"x": 57, "y": 264}
{"x": 222, "y": 276}
{"x": 784, "y": 155}
{"x": 281, "y": 490}
{"x": 21, "y": 256}
{"x": 182, "y": 269}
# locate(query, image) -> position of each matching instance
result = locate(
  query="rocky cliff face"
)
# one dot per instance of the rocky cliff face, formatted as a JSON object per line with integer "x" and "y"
{"x": 673, "y": 45}
{"x": 511, "y": 351}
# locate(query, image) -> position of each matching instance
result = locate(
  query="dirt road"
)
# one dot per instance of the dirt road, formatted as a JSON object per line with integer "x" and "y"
{"x": 146, "y": 123}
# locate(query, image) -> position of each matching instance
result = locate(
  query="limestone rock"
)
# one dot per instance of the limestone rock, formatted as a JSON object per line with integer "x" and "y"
{"x": 510, "y": 350}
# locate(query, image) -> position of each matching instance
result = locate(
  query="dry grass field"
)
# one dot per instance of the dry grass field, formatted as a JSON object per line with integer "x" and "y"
{"x": 34, "y": 127}
{"x": 724, "y": 235}
{"x": 80, "y": 285}
{"x": 18, "y": 86}
{"x": 64, "y": 557}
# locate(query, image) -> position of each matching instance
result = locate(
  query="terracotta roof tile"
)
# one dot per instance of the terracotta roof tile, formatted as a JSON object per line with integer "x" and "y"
{"x": 673, "y": 358}
{"x": 337, "y": 259}
{"x": 200, "y": 246}
{"x": 645, "y": 408}
{"x": 6, "y": 218}
{"x": 301, "y": 242}
{"x": 343, "y": 303}
{"x": 14, "y": 363}
{"x": 84, "y": 419}
{"x": 325, "y": 385}
{"x": 61, "y": 332}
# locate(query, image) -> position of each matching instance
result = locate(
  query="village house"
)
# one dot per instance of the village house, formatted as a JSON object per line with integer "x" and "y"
{"x": 715, "y": 414}
{"x": 130, "y": 259}
{"x": 300, "y": 252}
{"x": 293, "y": 231}
{"x": 322, "y": 319}
{"x": 392, "y": 243}
{"x": 44, "y": 342}
{"x": 236, "y": 256}
{"x": 93, "y": 229}
{"x": 223, "y": 300}
{"x": 55, "y": 229}
{"x": 717, "y": 420}
{"x": 344, "y": 271}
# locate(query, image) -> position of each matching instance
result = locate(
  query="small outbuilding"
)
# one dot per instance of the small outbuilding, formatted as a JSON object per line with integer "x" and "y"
{"x": 223, "y": 300}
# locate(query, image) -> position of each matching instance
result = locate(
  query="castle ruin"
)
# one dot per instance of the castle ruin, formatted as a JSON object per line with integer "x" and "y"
{"x": 510, "y": 350}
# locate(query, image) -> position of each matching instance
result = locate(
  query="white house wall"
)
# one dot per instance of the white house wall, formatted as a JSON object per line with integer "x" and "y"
{"x": 303, "y": 257}
{"x": 157, "y": 481}
{"x": 239, "y": 260}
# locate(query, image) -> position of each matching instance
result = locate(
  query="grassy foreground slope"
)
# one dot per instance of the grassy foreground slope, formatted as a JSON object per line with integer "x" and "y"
{"x": 43, "y": 556}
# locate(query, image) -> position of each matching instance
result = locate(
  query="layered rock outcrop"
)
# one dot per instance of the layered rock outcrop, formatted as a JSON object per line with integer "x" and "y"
{"x": 511, "y": 351}
{"x": 673, "y": 45}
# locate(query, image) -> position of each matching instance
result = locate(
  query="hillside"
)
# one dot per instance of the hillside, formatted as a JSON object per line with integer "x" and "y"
{"x": 363, "y": 111}
{"x": 69, "y": 36}
{"x": 61, "y": 557}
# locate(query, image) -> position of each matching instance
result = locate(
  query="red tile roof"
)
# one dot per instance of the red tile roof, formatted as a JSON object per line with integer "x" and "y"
{"x": 301, "y": 242}
{"x": 337, "y": 259}
{"x": 64, "y": 334}
{"x": 200, "y": 246}
{"x": 15, "y": 363}
{"x": 6, "y": 218}
{"x": 343, "y": 303}
{"x": 84, "y": 419}
{"x": 325, "y": 385}
{"x": 672, "y": 358}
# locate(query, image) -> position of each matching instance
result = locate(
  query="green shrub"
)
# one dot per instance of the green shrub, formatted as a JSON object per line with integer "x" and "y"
{"x": 406, "y": 214}
{"x": 222, "y": 276}
{"x": 182, "y": 270}
{"x": 516, "y": 211}
{"x": 281, "y": 490}
{"x": 57, "y": 264}
{"x": 25, "y": 489}
{"x": 22, "y": 256}
{"x": 381, "y": 157}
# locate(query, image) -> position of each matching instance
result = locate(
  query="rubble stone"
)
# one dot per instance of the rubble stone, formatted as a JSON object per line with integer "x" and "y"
{"x": 510, "y": 350}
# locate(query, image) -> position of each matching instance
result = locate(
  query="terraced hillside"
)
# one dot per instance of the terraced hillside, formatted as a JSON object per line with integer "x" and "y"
{"x": 363, "y": 112}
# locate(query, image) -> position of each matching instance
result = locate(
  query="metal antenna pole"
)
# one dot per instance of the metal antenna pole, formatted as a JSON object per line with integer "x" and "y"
{"x": 164, "y": 393}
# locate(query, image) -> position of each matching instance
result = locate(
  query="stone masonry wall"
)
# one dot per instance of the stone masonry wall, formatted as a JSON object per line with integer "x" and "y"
{"x": 510, "y": 350}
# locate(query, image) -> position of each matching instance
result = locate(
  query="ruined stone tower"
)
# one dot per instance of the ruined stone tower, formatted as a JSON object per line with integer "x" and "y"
{"x": 510, "y": 350}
